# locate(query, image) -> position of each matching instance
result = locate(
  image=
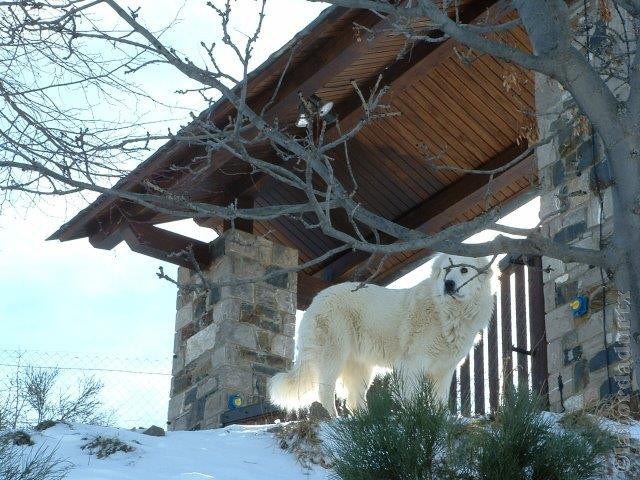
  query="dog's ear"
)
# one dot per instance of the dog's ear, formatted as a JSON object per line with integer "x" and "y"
{"x": 437, "y": 270}
{"x": 490, "y": 270}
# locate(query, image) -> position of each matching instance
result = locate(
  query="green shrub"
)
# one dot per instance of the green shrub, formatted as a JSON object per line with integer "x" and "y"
{"x": 522, "y": 443}
{"x": 103, "y": 447}
{"x": 394, "y": 438}
{"x": 417, "y": 439}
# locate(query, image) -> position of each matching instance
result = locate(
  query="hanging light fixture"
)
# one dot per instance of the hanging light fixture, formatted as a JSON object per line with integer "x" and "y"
{"x": 322, "y": 109}
{"x": 303, "y": 117}
{"x": 325, "y": 109}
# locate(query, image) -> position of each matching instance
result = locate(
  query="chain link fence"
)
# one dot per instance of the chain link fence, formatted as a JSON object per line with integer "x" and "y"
{"x": 129, "y": 391}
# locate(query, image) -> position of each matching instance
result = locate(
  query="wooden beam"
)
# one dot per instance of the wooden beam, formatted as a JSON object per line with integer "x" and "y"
{"x": 246, "y": 225}
{"x": 106, "y": 240}
{"x": 167, "y": 246}
{"x": 308, "y": 288}
{"x": 164, "y": 245}
{"x": 423, "y": 57}
{"x": 437, "y": 211}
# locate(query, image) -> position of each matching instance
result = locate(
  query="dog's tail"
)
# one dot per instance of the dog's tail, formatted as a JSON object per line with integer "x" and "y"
{"x": 296, "y": 388}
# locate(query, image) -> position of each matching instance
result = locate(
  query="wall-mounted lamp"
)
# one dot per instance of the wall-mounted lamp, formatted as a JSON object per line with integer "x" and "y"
{"x": 303, "y": 118}
{"x": 317, "y": 107}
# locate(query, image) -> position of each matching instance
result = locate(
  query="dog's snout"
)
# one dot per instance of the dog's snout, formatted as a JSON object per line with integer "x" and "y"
{"x": 449, "y": 286}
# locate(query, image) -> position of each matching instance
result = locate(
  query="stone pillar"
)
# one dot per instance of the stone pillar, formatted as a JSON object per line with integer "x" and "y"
{"x": 573, "y": 173}
{"x": 229, "y": 341}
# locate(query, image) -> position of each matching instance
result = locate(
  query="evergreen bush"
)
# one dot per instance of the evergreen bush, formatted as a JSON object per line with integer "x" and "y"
{"x": 418, "y": 439}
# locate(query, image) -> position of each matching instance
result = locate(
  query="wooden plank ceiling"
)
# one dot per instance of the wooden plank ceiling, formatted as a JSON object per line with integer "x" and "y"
{"x": 457, "y": 105}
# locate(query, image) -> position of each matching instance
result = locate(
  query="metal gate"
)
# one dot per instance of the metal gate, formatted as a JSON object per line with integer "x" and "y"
{"x": 513, "y": 348}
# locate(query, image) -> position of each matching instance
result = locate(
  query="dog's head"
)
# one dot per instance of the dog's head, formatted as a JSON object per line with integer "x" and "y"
{"x": 460, "y": 278}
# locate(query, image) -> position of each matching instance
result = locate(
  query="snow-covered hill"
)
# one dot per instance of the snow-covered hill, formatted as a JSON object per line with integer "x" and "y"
{"x": 232, "y": 453}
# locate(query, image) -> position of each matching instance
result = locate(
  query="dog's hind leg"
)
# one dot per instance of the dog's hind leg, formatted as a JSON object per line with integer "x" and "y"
{"x": 441, "y": 386}
{"x": 328, "y": 375}
{"x": 356, "y": 377}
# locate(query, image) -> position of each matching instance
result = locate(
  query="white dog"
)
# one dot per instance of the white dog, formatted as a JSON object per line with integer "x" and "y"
{"x": 347, "y": 331}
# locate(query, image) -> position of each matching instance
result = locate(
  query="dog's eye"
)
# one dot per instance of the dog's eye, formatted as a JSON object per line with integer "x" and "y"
{"x": 463, "y": 270}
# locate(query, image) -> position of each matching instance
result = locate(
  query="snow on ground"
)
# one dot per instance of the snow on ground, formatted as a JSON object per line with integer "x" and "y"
{"x": 232, "y": 453}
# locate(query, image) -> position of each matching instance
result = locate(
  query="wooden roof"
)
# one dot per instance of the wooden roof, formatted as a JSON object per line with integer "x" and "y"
{"x": 463, "y": 109}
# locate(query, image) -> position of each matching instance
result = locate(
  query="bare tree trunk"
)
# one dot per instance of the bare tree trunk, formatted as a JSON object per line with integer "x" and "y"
{"x": 625, "y": 170}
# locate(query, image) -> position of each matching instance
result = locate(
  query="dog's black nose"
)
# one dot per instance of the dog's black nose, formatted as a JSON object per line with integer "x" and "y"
{"x": 449, "y": 286}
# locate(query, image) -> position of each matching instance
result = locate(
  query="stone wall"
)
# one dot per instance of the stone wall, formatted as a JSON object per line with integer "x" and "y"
{"x": 577, "y": 210}
{"x": 231, "y": 339}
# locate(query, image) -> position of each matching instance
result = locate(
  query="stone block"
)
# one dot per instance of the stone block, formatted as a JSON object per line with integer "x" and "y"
{"x": 246, "y": 245}
{"x": 572, "y": 355}
{"x": 222, "y": 271}
{"x": 179, "y": 423}
{"x": 565, "y": 292}
{"x": 589, "y": 278}
{"x": 265, "y": 295}
{"x": 574, "y": 402}
{"x": 284, "y": 256}
{"x": 557, "y": 174}
{"x": 199, "y": 307}
{"x": 554, "y": 356}
{"x": 244, "y": 335}
{"x": 589, "y": 241}
{"x": 549, "y": 291}
{"x": 200, "y": 343}
{"x": 556, "y": 267}
{"x": 546, "y": 155}
{"x": 599, "y": 360}
{"x": 264, "y": 340}
{"x": 265, "y": 369}
{"x": 286, "y": 301}
{"x": 261, "y": 316}
{"x": 600, "y": 176}
{"x": 548, "y": 204}
{"x": 177, "y": 363}
{"x": 570, "y": 233}
{"x": 184, "y": 316}
{"x": 224, "y": 354}
{"x": 180, "y": 381}
{"x": 217, "y": 249}
{"x": 585, "y": 155}
{"x": 277, "y": 278}
{"x": 570, "y": 340}
{"x": 591, "y": 395}
{"x": 289, "y": 327}
{"x": 208, "y": 386}
{"x": 226, "y": 311}
{"x": 176, "y": 404}
{"x": 242, "y": 291}
{"x": 282, "y": 346}
{"x": 555, "y": 225}
{"x": 580, "y": 375}
{"x": 246, "y": 268}
{"x": 215, "y": 404}
{"x": 188, "y": 331}
{"x": 260, "y": 386}
{"x": 234, "y": 378}
{"x": 190, "y": 396}
{"x": 559, "y": 321}
{"x": 213, "y": 297}
{"x": 592, "y": 327}
{"x": 607, "y": 203}
{"x": 184, "y": 276}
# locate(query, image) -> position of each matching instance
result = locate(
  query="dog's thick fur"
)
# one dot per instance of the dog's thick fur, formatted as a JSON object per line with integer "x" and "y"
{"x": 347, "y": 331}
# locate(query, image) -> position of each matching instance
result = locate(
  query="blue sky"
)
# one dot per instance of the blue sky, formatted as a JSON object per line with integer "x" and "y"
{"x": 70, "y": 296}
